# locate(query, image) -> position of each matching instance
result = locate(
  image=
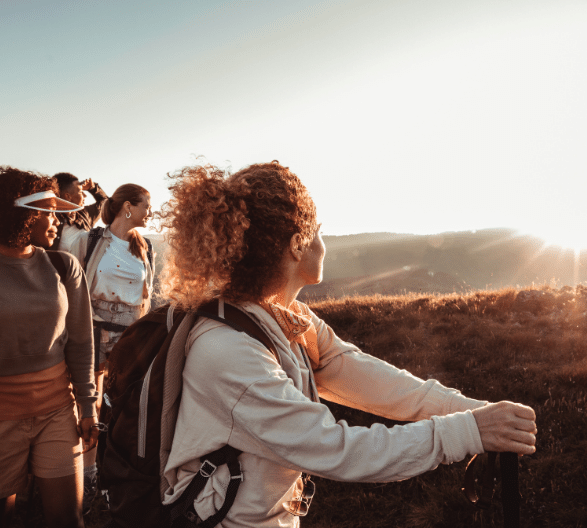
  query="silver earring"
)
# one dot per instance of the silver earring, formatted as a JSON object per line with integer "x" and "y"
{"x": 128, "y": 214}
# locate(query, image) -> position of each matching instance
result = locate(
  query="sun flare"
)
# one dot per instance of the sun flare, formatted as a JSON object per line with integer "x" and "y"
{"x": 570, "y": 239}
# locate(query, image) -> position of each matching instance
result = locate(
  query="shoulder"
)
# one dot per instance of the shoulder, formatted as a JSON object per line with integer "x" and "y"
{"x": 52, "y": 255}
{"x": 82, "y": 236}
{"x": 218, "y": 348}
{"x": 65, "y": 263}
{"x": 69, "y": 260}
{"x": 318, "y": 323}
{"x": 72, "y": 264}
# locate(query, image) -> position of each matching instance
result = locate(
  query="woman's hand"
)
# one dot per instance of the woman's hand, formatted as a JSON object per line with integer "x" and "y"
{"x": 507, "y": 426}
{"x": 88, "y": 430}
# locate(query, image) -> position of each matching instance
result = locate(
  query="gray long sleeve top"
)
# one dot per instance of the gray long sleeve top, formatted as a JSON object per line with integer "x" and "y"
{"x": 44, "y": 322}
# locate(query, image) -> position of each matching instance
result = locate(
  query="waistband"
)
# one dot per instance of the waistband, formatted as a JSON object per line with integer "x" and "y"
{"x": 115, "y": 307}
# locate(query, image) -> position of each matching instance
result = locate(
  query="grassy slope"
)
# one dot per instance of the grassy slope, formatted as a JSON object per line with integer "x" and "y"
{"x": 527, "y": 346}
{"x": 490, "y": 345}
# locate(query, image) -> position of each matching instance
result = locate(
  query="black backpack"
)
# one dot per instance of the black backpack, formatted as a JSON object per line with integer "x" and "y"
{"x": 144, "y": 391}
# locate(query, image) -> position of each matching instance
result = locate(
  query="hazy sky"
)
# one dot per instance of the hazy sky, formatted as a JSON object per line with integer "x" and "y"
{"x": 409, "y": 116}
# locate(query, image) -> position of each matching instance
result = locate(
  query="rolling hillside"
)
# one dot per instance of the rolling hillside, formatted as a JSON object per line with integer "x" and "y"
{"x": 445, "y": 263}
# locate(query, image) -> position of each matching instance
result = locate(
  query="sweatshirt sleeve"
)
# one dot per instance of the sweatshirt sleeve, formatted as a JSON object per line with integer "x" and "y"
{"x": 269, "y": 417}
{"x": 79, "y": 349}
{"x": 350, "y": 377}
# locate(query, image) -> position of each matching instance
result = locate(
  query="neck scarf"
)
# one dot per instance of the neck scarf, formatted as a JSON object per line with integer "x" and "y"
{"x": 296, "y": 324}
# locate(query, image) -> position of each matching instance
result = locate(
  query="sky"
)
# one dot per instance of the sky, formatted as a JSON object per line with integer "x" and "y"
{"x": 404, "y": 116}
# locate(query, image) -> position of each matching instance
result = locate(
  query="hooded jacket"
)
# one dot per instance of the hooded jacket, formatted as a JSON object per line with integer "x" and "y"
{"x": 235, "y": 392}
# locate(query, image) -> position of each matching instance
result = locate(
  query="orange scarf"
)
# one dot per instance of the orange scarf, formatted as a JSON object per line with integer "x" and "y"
{"x": 296, "y": 323}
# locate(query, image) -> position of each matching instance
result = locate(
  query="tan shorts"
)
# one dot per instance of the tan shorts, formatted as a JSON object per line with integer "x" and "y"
{"x": 47, "y": 446}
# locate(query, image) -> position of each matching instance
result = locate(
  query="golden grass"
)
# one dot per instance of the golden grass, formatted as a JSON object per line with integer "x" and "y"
{"x": 528, "y": 346}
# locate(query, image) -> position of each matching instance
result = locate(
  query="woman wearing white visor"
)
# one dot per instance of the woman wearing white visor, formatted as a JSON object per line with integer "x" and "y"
{"x": 47, "y": 346}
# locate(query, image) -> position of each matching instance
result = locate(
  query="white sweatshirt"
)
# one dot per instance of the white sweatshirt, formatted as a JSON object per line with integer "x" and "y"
{"x": 235, "y": 392}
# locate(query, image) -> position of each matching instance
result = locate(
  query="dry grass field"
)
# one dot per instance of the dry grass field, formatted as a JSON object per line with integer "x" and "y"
{"x": 527, "y": 345}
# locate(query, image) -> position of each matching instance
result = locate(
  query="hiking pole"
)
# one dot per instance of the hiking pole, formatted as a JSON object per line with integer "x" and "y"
{"x": 510, "y": 494}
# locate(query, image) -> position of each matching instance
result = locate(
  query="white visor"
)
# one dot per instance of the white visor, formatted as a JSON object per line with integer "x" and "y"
{"x": 47, "y": 201}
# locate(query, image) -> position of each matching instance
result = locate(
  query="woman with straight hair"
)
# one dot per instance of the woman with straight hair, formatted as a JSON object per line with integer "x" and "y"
{"x": 46, "y": 336}
{"x": 252, "y": 239}
{"x": 120, "y": 273}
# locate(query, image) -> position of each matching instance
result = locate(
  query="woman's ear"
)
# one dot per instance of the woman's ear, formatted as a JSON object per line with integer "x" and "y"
{"x": 296, "y": 247}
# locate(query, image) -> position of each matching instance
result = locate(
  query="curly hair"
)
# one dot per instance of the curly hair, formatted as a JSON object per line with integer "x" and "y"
{"x": 228, "y": 233}
{"x": 16, "y": 222}
{"x": 133, "y": 193}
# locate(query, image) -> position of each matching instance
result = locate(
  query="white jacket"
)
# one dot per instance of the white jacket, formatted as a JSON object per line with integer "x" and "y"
{"x": 235, "y": 392}
{"x": 79, "y": 248}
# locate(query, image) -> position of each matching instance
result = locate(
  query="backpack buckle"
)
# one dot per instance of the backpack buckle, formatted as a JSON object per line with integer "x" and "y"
{"x": 207, "y": 469}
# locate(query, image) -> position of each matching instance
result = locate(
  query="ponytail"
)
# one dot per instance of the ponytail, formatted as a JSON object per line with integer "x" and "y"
{"x": 137, "y": 245}
{"x": 107, "y": 213}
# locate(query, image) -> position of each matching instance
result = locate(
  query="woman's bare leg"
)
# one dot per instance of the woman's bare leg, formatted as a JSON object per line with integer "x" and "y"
{"x": 62, "y": 500}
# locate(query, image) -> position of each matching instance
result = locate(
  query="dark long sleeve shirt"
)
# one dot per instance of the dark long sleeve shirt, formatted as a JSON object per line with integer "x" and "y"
{"x": 84, "y": 219}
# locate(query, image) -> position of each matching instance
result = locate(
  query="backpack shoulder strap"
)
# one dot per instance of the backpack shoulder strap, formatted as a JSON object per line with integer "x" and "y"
{"x": 58, "y": 263}
{"x": 240, "y": 321}
{"x": 149, "y": 251}
{"x": 94, "y": 236}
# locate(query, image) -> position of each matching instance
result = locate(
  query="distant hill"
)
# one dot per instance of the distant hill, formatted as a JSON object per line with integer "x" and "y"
{"x": 392, "y": 263}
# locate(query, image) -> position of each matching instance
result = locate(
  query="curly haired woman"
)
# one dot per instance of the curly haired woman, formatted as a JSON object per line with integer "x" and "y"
{"x": 252, "y": 240}
{"x": 46, "y": 336}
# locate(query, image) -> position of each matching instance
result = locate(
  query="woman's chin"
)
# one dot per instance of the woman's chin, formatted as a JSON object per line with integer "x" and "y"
{"x": 47, "y": 241}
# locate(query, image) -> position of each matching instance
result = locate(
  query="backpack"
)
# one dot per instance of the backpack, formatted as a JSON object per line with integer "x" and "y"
{"x": 144, "y": 391}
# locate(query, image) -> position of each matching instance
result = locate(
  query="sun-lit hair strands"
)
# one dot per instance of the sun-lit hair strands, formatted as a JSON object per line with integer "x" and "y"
{"x": 16, "y": 222}
{"x": 111, "y": 208}
{"x": 228, "y": 233}
{"x": 206, "y": 227}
